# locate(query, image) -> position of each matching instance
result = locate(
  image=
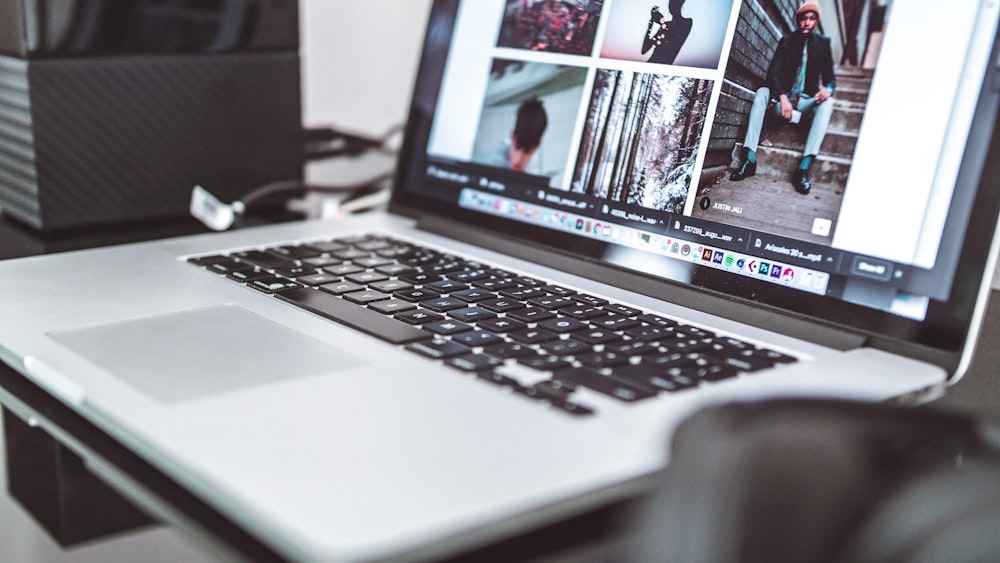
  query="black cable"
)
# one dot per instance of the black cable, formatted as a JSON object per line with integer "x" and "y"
{"x": 318, "y": 141}
{"x": 296, "y": 187}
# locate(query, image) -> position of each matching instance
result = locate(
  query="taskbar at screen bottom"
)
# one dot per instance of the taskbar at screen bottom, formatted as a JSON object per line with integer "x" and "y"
{"x": 796, "y": 277}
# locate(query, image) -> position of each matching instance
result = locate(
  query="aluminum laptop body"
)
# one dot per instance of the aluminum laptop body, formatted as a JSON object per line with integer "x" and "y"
{"x": 330, "y": 443}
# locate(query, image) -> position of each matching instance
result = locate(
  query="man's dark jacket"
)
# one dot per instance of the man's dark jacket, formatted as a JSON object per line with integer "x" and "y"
{"x": 819, "y": 70}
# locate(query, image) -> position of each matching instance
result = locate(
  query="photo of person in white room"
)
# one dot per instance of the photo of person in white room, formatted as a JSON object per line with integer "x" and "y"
{"x": 528, "y": 116}
{"x": 684, "y": 33}
{"x": 665, "y": 37}
{"x": 524, "y": 140}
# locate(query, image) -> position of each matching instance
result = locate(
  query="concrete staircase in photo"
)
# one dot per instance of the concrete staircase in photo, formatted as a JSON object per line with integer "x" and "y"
{"x": 781, "y": 144}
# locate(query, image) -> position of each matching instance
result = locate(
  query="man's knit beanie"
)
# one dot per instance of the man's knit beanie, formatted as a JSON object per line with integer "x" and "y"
{"x": 808, "y": 6}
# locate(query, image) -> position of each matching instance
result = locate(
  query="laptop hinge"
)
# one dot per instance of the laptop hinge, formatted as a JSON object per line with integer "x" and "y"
{"x": 724, "y": 306}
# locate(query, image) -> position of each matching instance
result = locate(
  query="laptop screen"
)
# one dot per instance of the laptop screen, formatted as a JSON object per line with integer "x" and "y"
{"x": 822, "y": 157}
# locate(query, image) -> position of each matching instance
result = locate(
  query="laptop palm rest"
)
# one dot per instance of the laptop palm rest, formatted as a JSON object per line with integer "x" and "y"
{"x": 203, "y": 352}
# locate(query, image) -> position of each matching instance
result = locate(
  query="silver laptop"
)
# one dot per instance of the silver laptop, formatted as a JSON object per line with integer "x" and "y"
{"x": 600, "y": 224}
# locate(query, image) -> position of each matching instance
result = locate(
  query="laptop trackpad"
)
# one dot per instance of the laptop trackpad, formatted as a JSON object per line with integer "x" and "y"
{"x": 193, "y": 354}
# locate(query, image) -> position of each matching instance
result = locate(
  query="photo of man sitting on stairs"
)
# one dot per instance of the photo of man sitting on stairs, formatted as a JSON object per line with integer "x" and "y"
{"x": 790, "y": 112}
{"x": 800, "y": 80}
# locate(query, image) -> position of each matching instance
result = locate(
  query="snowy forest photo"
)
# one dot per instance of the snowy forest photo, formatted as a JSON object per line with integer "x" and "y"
{"x": 641, "y": 140}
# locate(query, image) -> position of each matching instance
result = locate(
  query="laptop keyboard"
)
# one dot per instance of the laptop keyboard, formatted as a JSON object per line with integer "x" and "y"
{"x": 541, "y": 340}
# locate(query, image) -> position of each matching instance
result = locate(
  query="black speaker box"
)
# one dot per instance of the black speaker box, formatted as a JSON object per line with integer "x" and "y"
{"x": 110, "y": 112}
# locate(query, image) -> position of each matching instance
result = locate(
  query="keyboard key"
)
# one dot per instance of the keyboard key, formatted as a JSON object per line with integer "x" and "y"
{"x": 584, "y": 312}
{"x": 667, "y": 360}
{"x": 443, "y": 267}
{"x": 394, "y": 252}
{"x": 551, "y": 390}
{"x": 658, "y": 378}
{"x": 245, "y": 276}
{"x": 533, "y": 336}
{"x": 714, "y": 372}
{"x": 340, "y": 288}
{"x": 544, "y": 362}
{"x": 596, "y": 336}
{"x": 365, "y": 297}
{"x": 474, "y": 362}
{"x": 446, "y": 327}
{"x": 501, "y": 325}
{"x": 225, "y": 265}
{"x": 295, "y": 252}
{"x": 632, "y": 348}
{"x": 373, "y": 244}
{"x": 528, "y": 281}
{"x": 628, "y": 391}
{"x": 497, "y": 273}
{"x": 657, "y": 320}
{"x": 467, "y": 276}
{"x": 568, "y": 347}
{"x": 272, "y": 284}
{"x": 418, "y": 317}
{"x": 498, "y": 379}
{"x": 418, "y": 278}
{"x": 438, "y": 349}
{"x": 322, "y": 261}
{"x": 702, "y": 333}
{"x": 648, "y": 333}
{"x": 209, "y": 260}
{"x": 563, "y": 325}
{"x": 777, "y": 357}
{"x": 573, "y": 408}
{"x": 559, "y": 290}
{"x": 365, "y": 278}
{"x": 318, "y": 279}
{"x": 748, "y": 362}
{"x": 551, "y": 302}
{"x": 471, "y": 314}
{"x": 390, "y": 286}
{"x": 500, "y": 305}
{"x": 507, "y": 350}
{"x": 343, "y": 269}
{"x": 347, "y": 313}
{"x": 263, "y": 259}
{"x": 495, "y": 284}
{"x": 474, "y": 338}
{"x": 351, "y": 240}
{"x": 414, "y": 295}
{"x": 530, "y": 314}
{"x": 603, "y": 359}
{"x": 395, "y": 270}
{"x": 351, "y": 254}
{"x": 686, "y": 344}
{"x": 391, "y": 306}
{"x": 372, "y": 262}
{"x": 295, "y": 271}
{"x": 443, "y": 304}
{"x": 522, "y": 293}
{"x": 327, "y": 246}
{"x": 591, "y": 300}
{"x": 473, "y": 295}
{"x": 623, "y": 310}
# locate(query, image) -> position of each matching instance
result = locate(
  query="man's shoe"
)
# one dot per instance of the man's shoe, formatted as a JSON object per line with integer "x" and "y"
{"x": 801, "y": 182}
{"x": 748, "y": 169}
